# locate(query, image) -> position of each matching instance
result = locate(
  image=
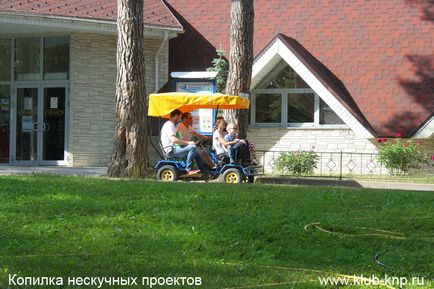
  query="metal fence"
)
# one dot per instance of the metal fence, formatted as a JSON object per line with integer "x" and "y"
{"x": 332, "y": 164}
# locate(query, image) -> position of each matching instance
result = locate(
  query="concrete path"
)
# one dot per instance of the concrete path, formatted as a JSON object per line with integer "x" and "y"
{"x": 397, "y": 186}
{"x": 57, "y": 170}
{"x": 102, "y": 171}
{"x": 345, "y": 183}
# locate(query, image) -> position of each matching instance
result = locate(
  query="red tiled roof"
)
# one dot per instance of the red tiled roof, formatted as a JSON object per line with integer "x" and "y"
{"x": 382, "y": 52}
{"x": 326, "y": 77}
{"x": 155, "y": 12}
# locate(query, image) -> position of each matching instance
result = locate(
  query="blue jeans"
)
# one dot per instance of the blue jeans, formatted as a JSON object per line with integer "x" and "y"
{"x": 236, "y": 151}
{"x": 189, "y": 151}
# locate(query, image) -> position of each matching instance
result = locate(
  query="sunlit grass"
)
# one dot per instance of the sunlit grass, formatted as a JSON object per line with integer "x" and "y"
{"x": 231, "y": 236}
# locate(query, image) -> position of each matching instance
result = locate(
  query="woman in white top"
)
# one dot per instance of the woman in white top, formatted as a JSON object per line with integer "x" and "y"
{"x": 220, "y": 145}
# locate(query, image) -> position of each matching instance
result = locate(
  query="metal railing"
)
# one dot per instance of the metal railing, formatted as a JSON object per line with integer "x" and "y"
{"x": 336, "y": 164}
{"x": 330, "y": 164}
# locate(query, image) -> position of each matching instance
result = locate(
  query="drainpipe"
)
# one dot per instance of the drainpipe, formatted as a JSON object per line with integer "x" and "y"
{"x": 157, "y": 78}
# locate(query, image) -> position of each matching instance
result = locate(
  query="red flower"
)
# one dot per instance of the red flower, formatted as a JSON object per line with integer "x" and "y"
{"x": 381, "y": 140}
{"x": 419, "y": 142}
{"x": 432, "y": 158}
{"x": 406, "y": 145}
{"x": 398, "y": 134}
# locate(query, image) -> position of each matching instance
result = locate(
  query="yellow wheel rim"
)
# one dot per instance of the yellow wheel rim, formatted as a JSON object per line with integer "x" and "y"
{"x": 167, "y": 175}
{"x": 231, "y": 178}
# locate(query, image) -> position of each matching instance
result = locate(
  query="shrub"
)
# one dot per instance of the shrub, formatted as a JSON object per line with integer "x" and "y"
{"x": 222, "y": 67}
{"x": 398, "y": 156}
{"x": 300, "y": 162}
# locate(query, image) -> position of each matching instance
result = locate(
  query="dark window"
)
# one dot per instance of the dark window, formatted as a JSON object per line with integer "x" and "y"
{"x": 27, "y": 59}
{"x": 56, "y": 58}
{"x": 327, "y": 115}
{"x": 5, "y": 60}
{"x": 286, "y": 78}
{"x": 301, "y": 107}
{"x": 268, "y": 108}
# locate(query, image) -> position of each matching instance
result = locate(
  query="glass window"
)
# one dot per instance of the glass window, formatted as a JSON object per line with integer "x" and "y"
{"x": 286, "y": 78}
{"x": 27, "y": 125}
{"x": 27, "y": 59}
{"x": 5, "y": 59}
{"x": 327, "y": 115}
{"x": 56, "y": 58}
{"x": 268, "y": 108}
{"x": 5, "y": 91}
{"x": 54, "y": 121}
{"x": 301, "y": 107}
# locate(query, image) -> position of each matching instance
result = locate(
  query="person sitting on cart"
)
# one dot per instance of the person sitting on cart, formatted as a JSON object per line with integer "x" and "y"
{"x": 185, "y": 131}
{"x": 188, "y": 151}
{"x": 232, "y": 134}
{"x": 221, "y": 146}
{"x": 185, "y": 128}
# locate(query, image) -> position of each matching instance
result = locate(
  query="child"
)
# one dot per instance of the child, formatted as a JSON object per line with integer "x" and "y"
{"x": 232, "y": 135}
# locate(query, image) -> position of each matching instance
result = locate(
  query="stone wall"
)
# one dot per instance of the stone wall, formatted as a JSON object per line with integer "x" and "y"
{"x": 92, "y": 94}
{"x": 358, "y": 154}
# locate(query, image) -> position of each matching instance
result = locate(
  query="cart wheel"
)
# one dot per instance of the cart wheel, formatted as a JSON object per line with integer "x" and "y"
{"x": 232, "y": 176}
{"x": 167, "y": 173}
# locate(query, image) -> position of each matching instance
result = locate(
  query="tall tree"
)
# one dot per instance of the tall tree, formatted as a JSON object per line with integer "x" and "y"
{"x": 130, "y": 148}
{"x": 241, "y": 59}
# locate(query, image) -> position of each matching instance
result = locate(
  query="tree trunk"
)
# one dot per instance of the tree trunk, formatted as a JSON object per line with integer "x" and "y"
{"x": 241, "y": 60}
{"x": 129, "y": 156}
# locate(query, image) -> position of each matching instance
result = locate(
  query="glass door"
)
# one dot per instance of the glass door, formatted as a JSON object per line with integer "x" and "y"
{"x": 5, "y": 92}
{"x": 53, "y": 125}
{"x": 27, "y": 125}
{"x": 40, "y": 122}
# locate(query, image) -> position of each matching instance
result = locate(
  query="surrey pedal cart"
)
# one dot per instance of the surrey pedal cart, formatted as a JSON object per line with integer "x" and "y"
{"x": 172, "y": 169}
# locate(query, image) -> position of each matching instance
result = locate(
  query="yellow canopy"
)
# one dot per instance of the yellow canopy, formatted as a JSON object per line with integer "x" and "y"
{"x": 162, "y": 104}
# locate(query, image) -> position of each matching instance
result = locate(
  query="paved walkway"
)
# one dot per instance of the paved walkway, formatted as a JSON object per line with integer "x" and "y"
{"x": 346, "y": 183}
{"x": 102, "y": 171}
{"x": 67, "y": 171}
{"x": 397, "y": 186}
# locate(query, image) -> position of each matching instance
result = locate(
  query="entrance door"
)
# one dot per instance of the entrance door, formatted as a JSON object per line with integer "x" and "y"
{"x": 27, "y": 125}
{"x": 53, "y": 121}
{"x": 39, "y": 120}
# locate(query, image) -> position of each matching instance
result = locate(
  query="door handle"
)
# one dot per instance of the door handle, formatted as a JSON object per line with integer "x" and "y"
{"x": 40, "y": 126}
{"x": 35, "y": 128}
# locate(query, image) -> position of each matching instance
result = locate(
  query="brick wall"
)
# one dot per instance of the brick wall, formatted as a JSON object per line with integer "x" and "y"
{"x": 92, "y": 94}
{"x": 325, "y": 140}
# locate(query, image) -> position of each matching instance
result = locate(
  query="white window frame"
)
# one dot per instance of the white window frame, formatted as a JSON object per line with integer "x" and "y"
{"x": 284, "y": 110}
{"x": 284, "y": 104}
{"x": 40, "y": 84}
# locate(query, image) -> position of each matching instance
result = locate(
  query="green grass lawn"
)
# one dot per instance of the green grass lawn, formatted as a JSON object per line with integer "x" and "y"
{"x": 232, "y": 236}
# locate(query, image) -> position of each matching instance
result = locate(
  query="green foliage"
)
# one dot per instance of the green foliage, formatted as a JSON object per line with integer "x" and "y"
{"x": 300, "y": 162}
{"x": 228, "y": 235}
{"x": 222, "y": 67}
{"x": 399, "y": 157}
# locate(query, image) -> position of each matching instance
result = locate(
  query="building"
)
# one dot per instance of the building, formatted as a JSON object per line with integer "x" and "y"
{"x": 58, "y": 75}
{"x": 328, "y": 75}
